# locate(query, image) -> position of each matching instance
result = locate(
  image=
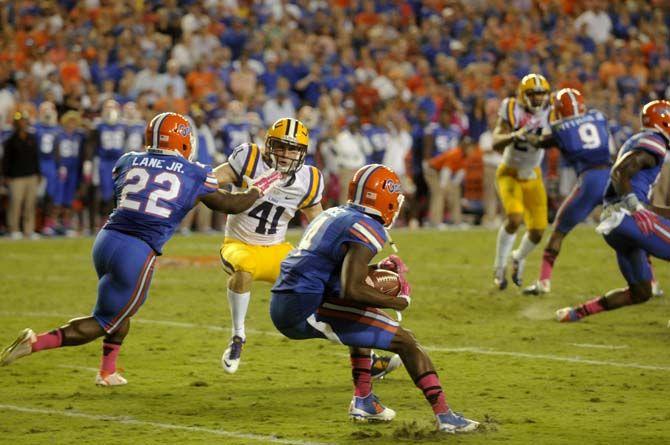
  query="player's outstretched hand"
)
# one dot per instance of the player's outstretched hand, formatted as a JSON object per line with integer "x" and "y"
{"x": 645, "y": 220}
{"x": 394, "y": 264}
{"x": 265, "y": 182}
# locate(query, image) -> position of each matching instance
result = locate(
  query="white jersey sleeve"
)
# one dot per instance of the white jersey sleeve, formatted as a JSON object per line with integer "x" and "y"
{"x": 245, "y": 161}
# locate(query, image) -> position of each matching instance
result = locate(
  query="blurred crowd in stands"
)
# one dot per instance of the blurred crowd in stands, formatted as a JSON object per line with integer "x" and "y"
{"x": 412, "y": 84}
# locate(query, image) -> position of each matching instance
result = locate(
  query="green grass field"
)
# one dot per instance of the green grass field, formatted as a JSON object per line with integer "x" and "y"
{"x": 501, "y": 357}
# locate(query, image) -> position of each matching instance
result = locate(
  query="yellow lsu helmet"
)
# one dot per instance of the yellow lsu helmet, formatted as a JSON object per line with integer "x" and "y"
{"x": 286, "y": 145}
{"x": 533, "y": 92}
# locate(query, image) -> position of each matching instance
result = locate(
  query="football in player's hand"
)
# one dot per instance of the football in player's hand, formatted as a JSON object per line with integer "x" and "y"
{"x": 385, "y": 281}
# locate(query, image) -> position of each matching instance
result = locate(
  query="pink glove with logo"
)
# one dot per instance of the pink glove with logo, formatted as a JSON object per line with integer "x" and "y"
{"x": 265, "y": 182}
{"x": 394, "y": 264}
{"x": 645, "y": 220}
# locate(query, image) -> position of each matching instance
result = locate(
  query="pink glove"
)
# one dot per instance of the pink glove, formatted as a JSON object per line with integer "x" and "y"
{"x": 405, "y": 290}
{"x": 266, "y": 182}
{"x": 394, "y": 264}
{"x": 645, "y": 220}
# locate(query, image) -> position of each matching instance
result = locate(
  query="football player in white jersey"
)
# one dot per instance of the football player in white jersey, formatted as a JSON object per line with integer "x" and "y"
{"x": 254, "y": 243}
{"x": 521, "y": 121}
{"x": 255, "y": 240}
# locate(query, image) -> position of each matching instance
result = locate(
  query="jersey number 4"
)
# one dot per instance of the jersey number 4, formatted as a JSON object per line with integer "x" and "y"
{"x": 262, "y": 213}
{"x": 141, "y": 179}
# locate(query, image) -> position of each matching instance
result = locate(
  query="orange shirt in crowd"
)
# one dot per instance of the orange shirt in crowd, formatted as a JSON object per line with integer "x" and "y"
{"x": 172, "y": 104}
{"x": 200, "y": 82}
{"x": 69, "y": 72}
{"x": 610, "y": 68}
{"x": 473, "y": 182}
{"x": 451, "y": 159}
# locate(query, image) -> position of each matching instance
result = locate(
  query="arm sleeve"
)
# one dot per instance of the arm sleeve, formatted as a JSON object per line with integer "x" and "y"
{"x": 654, "y": 146}
{"x": 244, "y": 161}
{"x": 506, "y": 111}
{"x": 315, "y": 187}
{"x": 207, "y": 182}
{"x": 368, "y": 233}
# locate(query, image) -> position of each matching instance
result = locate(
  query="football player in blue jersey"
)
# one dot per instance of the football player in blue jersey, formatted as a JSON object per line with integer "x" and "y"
{"x": 154, "y": 190}
{"x": 584, "y": 140}
{"x": 69, "y": 148}
{"x": 321, "y": 293}
{"x": 47, "y": 131}
{"x": 632, "y": 226}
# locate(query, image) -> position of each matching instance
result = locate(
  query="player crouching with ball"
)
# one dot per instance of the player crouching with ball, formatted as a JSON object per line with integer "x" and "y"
{"x": 321, "y": 292}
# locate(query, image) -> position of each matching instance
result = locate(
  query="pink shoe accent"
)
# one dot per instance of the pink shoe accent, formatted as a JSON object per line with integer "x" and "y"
{"x": 48, "y": 340}
{"x": 361, "y": 367}
{"x": 432, "y": 391}
{"x": 592, "y": 306}
{"x": 548, "y": 259}
{"x": 110, "y": 351}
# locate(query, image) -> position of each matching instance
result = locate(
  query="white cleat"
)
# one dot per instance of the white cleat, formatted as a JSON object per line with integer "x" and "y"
{"x": 499, "y": 278}
{"x": 656, "y": 290}
{"x": 540, "y": 287}
{"x": 21, "y": 347}
{"x": 369, "y": 409}
{"x": 382, "y": 365}
{"x": 451, "y": 422}
{"x": 231, "y": 356}
{"x": 114, "y": 379}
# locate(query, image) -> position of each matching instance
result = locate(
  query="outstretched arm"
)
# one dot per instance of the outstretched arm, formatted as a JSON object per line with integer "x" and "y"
{"x": 225, "y": 174}
{"x": 354, "y": 271}
{"x": 229, "y": 202}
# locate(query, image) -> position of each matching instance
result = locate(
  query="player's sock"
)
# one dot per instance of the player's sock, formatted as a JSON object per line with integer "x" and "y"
{"x": 503, "y": 246}
{"x": 48, "y": 340}
{"x": 525, "y": 248}
{"x": 239, "y": 303}
{"x": 361, "y": 372}
{"x": 548, "y": 259}
{"x": 110, "y": 351}
{"x": 429, "y": 383}
{"x": 591, "y": 307}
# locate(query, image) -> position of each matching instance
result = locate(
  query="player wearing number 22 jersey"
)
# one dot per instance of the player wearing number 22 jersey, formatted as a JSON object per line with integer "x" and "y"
{"x": 583, "y": 137}
{"x": 154, "y": 190}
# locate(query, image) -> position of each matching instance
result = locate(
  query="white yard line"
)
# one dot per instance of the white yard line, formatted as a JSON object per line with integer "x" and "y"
{"x": 589, "y": 345}
{"x": 556, "y": 358}
{"x": 467, "y": 350}
{"x": 127, "y": 420}
{"x": 83, "y": 368}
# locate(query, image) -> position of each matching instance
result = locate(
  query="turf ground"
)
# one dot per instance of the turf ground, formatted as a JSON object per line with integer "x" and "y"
{"x": 502, "y": 358}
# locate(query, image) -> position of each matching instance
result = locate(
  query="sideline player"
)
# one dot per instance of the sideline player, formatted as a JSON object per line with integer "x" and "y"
{"x": 321, "y": 293}
{"x": 584, "y": 140}
{"x": 632, "y": 226}
{"x": 154, "y": 190}
{"x": 519, "y": 178}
